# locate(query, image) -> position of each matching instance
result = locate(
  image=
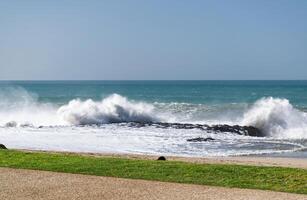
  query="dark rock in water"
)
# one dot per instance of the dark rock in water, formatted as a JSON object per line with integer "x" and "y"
{"x": 221, "y": 128}
{"x": 200, "y": 139}
{"x": 2, "y": 146}
{"x": 161, "y": 158}
{"x": 241, "y": 130}
{"x": 252, "y": 131}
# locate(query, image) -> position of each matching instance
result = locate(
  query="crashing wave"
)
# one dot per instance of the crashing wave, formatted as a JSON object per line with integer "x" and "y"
{"x": 19, "y": 107}
{"x": 274, "y": 117}
{"x": 113, "y": 109}
{"x": 277, "y": 118}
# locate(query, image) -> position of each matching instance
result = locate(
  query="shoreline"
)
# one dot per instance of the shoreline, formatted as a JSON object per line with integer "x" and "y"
{"x": 236, "y": 160}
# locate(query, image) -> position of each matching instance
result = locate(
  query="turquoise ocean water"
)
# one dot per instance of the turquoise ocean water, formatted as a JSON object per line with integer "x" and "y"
{"x": 197, "y": 92}
{"x": 93, "y": 116}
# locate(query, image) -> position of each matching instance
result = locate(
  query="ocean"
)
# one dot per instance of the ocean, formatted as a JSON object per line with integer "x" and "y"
{"x": 156, "y": 117}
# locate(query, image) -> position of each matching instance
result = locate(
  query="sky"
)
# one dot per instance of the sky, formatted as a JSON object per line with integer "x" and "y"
{"x": 153, "y": 40}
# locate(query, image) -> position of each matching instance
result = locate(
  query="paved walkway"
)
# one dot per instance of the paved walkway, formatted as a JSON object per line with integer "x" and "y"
{"x": 33, "y": 185}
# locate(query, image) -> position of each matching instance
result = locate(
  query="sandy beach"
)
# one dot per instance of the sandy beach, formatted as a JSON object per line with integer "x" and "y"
{"x": 19, "y": 184}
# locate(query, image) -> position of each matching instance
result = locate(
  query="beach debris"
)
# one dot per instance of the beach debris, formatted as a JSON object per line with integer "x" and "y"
{"x": 161, "y": 158}
{"x": 200, "y": 139}
{"x": 2, "y": 146}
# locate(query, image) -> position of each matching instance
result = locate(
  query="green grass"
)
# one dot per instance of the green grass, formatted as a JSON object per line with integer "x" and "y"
{"x": 239, "y": 176}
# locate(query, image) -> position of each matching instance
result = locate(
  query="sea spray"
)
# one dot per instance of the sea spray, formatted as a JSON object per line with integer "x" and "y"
{"x": 113, "y": 109}
{"x": 277, "y": 118}
{"x": 66, "y": 116}
{"x": 273, "y": 116}
{"x": 18, "y": 107}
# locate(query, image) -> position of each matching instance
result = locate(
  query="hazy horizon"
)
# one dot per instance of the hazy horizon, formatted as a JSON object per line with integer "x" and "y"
{"x": 246, "y": 80}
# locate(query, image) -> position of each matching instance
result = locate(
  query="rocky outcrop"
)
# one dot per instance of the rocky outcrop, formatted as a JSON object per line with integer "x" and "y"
{"x": 241, "y": 130}
{"x": 200, "y": 139}
{"x": 221, "y": 128}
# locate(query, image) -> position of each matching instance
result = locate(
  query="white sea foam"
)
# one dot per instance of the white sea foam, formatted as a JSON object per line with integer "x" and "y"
{"x": 112, "y": 109}
{"x": 21, "y": 108}
{"x": 277, "y": 118}
{"x": 21, "y": 114}
{"x": 112, "y": 138}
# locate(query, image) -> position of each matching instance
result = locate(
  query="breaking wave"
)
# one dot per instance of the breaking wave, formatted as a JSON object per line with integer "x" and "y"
{"x": 277, "y": 118}
{"x": 113, "y": 109}
{"x": 273, "y": 116}
{"x": 19, "y": 107}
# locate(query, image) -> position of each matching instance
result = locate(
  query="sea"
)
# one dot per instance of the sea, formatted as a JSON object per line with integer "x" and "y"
{"x": 155, "y": 117}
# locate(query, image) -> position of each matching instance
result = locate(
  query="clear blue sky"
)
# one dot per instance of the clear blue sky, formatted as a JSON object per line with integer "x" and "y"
{"x": 152, "y": 39}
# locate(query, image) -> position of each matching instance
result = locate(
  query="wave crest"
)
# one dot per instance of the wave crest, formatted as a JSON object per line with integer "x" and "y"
{"x": 113, "y": 109}
{"x": 18, "y": 107}
{"x": 277, "y": 118}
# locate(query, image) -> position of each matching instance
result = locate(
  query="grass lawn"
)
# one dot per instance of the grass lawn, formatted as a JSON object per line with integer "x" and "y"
{"x": 239, "y": 176}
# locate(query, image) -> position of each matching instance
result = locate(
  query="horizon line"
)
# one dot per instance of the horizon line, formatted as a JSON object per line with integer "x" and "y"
{"x": 2, "y": 80}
